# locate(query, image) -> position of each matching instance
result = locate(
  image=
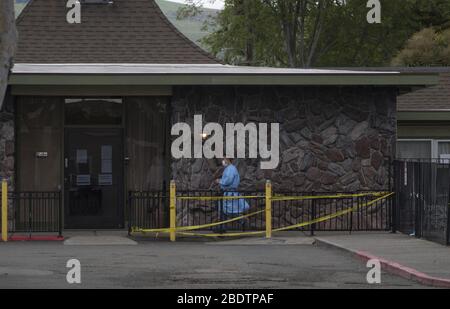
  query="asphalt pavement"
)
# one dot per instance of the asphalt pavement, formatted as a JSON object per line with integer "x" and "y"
{"x": 185, "y": 264}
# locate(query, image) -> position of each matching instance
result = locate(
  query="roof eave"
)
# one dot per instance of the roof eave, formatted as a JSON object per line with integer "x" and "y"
{"x": 227, "y": 79}
{"x": 423, "y": 115}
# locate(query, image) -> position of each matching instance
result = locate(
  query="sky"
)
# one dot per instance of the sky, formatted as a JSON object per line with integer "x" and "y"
{"x": 215, "y": 4}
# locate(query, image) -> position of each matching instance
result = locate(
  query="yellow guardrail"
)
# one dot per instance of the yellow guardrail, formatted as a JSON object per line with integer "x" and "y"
{"x": 4, "y": 211}
{"x": 173, "y": 230}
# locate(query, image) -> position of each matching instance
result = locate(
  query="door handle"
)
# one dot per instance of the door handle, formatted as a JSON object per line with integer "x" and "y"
{"x": 66, "y": 162}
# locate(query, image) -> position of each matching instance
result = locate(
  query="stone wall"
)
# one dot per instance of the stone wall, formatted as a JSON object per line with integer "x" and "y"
{"x": 8, "y": 37}
{"x": 331, "y": 138}
{"x": 7, "y": 148}
{"x": 7, "y": 142}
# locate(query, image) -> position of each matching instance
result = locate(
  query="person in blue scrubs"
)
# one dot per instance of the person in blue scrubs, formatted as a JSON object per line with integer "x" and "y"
{"x": 229, "y": 184}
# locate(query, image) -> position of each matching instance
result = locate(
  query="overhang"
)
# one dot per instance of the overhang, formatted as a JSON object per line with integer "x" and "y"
{"x": 204, "y": 74}
{"x": 424, "y": 116}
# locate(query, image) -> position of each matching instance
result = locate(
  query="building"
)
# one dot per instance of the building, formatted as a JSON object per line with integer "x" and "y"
{"x": 423, "y": 115}
{"x": 424, "y": 119}
{"x": 91, "y": 106}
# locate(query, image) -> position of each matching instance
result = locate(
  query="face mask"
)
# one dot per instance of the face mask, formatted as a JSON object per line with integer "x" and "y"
{"x": 224, "y": 163}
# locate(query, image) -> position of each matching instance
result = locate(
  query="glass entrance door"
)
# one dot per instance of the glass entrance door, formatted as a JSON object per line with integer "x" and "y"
{"x": 93, "y": 179}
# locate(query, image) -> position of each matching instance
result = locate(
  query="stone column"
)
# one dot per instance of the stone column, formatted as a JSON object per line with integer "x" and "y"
{"x": 8, "y": 38}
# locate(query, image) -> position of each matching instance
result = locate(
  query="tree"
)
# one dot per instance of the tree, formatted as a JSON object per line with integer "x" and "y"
{"x": 426, "y": 48}
{"x": 435, "y": 13}
{"x": 246, "y": 34}
{"x": 349, "y": 40}
{"x": 8, "y": 37}
{"x": 281, "y": 33}
{"x": 305, "y": 33}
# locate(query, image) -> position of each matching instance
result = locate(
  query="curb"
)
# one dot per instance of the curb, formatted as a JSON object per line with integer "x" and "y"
{"x": 35, "y": 238}
{"x": 392, "y": 267}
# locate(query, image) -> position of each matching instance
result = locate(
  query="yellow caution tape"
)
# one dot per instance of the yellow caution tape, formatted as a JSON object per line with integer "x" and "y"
{"x": 276, "y": 197}
{"x": 181, "y": 230}
{"x": 217, "y": 198}
{"x": 196, "y": 227}
{"x": 303, "y": 224}
{"x": 332, "y": 216}
{"x": 319, "y": 197}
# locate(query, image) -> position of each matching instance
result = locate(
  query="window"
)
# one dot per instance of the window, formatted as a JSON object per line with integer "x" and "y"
{"x": 82, "y": 112}
{"x": 39, "y": 132}
{"x": 414, "y": 149}
{"x": 423, "y": 149}
{"x": 444, "y": 151}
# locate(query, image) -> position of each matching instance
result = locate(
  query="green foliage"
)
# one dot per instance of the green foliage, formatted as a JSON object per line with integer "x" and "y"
{"x": 246, "y": 34}
{"x": 426, "y": 48}
{"x": 303, "y": 33}
{"x": 431, "y": 13}
{"x": 349, "y": 40}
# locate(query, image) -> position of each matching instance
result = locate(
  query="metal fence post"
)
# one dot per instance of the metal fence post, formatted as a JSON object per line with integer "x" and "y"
{"x": 352, "y": 213}
{"x": 30, "y": 213}
{"x": 173, "y": 210}
{"x": 60, "y": 225}
{"x": 447, "y": 236}
{"x": 129, "y": 213}
{"x": 395, "y": 197}
{"x": 313, "y": 214}
{"x": 4, "y": 210}
{"x": 268, "y": 209}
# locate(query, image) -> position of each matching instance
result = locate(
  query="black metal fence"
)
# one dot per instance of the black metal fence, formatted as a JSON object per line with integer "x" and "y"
{"x": 150, "y": 210}
{"x": 423, "y": 199}
{"x": 35, "y": 212}
{"x": 369, "y": 214}
{"x": 198, "y": 211}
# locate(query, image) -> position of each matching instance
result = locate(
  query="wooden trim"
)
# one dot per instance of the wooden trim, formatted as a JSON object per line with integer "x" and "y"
{"x": 431, "y": 116}
{"x": 222, "y": 79}
{"x": 91, "y": 90}
{"x": 423, "y": 131}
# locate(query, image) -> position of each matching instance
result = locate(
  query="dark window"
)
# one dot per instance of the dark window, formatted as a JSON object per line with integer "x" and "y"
{"x": 146, "y": 137}
{"x": 39, "y": 134}
{"x": 85, "y": 112}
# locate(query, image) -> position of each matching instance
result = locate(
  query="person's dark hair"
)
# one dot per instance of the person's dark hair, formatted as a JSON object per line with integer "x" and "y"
{"x": 230, "y": 160}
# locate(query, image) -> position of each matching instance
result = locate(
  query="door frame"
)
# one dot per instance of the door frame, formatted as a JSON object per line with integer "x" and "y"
{"x": 61, "y": 141}
{"x": 121, "y": 206}
{"x": 65, "y": 127}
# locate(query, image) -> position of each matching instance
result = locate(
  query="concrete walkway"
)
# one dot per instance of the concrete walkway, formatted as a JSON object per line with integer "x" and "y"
{"x": 98, "y": 238}
{"x": 409, "y": 257}
{"x": 99, "y": 241}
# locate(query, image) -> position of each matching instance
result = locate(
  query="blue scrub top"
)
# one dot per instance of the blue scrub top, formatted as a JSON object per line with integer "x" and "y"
{"x": 230, "y": 183}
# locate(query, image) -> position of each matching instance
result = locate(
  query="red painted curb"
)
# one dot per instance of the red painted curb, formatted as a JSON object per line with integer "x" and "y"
{"x": 36, "y": 238}
{"x": 404, "y": 271}
{"x": 394, "y": 267}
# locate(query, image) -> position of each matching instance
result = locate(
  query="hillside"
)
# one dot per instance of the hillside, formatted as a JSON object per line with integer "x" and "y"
{"x": 192, "y": 27}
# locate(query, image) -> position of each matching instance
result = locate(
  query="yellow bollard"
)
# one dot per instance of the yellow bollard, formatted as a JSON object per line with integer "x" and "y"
{"x": 173, "y": 211}
{"x": 268, "y": 209}
{"x": 4, "y": 211}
